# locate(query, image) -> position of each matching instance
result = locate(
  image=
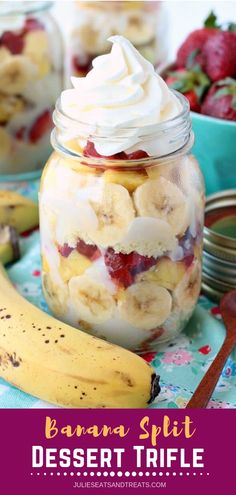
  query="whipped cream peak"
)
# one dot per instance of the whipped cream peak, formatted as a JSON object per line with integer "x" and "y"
{"x": 122, "y": 91}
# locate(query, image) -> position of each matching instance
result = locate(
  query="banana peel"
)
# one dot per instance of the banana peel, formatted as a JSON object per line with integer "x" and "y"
{"x": 65, "y": 366}
{"x": 17, "y": 211}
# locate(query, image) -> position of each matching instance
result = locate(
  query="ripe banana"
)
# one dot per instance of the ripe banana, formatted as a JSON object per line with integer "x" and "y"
{"x": 65, "y": 366}
{"x": 9, "y": 244}
{"x": 114, "y": 212}
{"x": 17, "y": 211}
{"x": 162, "y": 199}
{"x": 92, "y": 300}
{"x": 145, "y": 305}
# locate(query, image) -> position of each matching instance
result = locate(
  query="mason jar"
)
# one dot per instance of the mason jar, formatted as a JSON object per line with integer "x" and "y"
{"x": 30, "y": 82}
{"x": 121, "y": 235}
{"x": 144, "y": 23}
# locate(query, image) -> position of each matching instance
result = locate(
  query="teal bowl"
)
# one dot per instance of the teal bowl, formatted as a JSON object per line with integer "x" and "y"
{"x": 215, "y": 150}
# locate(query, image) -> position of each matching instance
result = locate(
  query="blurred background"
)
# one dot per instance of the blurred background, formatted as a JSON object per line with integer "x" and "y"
{"x": 184, "y": 16}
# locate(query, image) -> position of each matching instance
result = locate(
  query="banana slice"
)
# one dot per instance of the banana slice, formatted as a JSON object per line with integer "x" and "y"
{"x": 74, "y": 265}
{"x": 5, "y": 143}
{"x": 162, "y": 199}
{"x": 114, "y": 213}
{"x": 138, "y": 31}
{"x": 5, "y": 54}
{"x": 55, "y": 295}
{"x": 145, "y": 305}
{"x": 37, "y": 49}
{"x": 9, "y": 106}
{"x": 167, "y": 273}
{"x": 91, "y": 300}
{"x": 187, "y": 291}
{"x": 130, "y": 180}
{"x": 15, "y": 73}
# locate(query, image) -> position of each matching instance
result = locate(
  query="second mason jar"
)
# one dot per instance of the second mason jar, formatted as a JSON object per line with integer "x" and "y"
{"x": 122, "y": 235}
{"x": 30, "y": 81}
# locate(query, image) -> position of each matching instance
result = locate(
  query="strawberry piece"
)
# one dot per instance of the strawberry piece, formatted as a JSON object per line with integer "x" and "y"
{"x": 136, "y": 155}
{"x": 123, "y": 267}
{"x": 92, "y": 252}
{"x": 220, "y": 101}
{"x": 41, "y": 126}
{"x": 65, "y": 250}
{"x": 32, "y": 24}
{"x": 91, "y": 152}
{"x": 191, "y": 83}
{"x": 14, "y": 42}
{"x": 190, "y": 52}
{"x": 219, "y": 55}
{"x": 149, "y": 356}
{"x": 82, "y": 64}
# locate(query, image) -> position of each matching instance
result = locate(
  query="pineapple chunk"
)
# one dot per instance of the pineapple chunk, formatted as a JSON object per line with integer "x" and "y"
{"x": 130, "y": 180}
{"x": 167, "y": 273}
{"x": 74, "y": 265}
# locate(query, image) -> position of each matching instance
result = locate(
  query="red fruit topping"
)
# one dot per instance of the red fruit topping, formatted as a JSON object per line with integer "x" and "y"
{"x": 32, "y": 24}
{"x": 219, "y": 55}
{"x": 192, "y": 83}
{"x": 14, "y": 42}
{"x": 82, "y": 64}
{"x": 123, "y": 267}
{"x": 92, "y": 252}
{"x": 65, "y": 250}
{"x": 190, "y": 52}
{"x": 206, "y": 349}
{"x": 188, "y": 260}
{"x": 41, "y": 126}
{"x": 90, "y": 151}
{"x": 220, "y": 101}
{"x": 136, "y": 155}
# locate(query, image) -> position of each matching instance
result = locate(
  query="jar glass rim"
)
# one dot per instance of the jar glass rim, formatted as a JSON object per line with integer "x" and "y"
{"x": 154, "y": 128}
{"x": 10, "y": 8}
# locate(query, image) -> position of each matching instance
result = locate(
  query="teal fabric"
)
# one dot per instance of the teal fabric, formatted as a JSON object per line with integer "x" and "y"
{"x": 180, "y": 363}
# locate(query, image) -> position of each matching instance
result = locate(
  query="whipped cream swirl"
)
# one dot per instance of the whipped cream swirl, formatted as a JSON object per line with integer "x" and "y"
{"x": 121, "y": 92}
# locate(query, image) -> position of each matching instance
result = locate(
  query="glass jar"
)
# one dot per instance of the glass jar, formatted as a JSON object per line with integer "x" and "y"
{"x": 144, "y": 23}
{"x": 30, "y": 81}
{"x": 121, "y": 236}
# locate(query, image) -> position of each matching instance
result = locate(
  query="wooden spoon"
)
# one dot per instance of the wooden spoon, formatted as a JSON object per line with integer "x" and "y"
{"x": 207, "y": 385}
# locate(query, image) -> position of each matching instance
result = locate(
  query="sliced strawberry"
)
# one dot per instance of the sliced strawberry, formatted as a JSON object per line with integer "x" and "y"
{"x": 32, "y": 24}
{"x": 91, "y": 152}
{"x": 220, "y": 101}
{"x": 136, "y": 155}
{"x": 219, "y": 55}
{"x": 65, "y": 250}
{"x": 92, "y": 252}
{"x": 124, "y": 267}
{"x": 192, "y": 83}
{"x": 41, "y": 126}
{"x": 14, "y": 42}
{"x": 82, "y": 64}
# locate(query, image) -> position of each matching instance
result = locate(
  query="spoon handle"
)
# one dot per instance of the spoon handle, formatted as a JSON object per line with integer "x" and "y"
{"x": 207, "y": 385}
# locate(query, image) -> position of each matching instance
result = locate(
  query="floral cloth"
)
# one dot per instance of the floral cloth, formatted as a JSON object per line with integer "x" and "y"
{"x": 180, "y": 363}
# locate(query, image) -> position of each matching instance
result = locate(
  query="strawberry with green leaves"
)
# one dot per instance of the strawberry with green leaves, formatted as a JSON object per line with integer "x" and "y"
{"x": 220, "y": 101}
{"x": 191, "y": 83}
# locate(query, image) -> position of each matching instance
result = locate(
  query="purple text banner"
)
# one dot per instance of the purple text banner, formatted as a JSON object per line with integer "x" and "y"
{"x": 117, "y": 451}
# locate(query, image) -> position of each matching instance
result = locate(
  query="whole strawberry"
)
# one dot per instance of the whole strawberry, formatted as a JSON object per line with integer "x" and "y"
{"x": 190, "y": 52}
{"x": 220, "y": 100}
{"x": 219, "y": 55}
{"x": 191, "y": 83}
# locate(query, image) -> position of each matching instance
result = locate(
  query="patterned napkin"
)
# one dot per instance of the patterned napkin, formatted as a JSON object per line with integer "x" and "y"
{"x": 180, "y": 363}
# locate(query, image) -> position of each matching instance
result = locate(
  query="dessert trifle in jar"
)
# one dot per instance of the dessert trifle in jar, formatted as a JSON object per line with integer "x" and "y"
{"x": 30, "y": 82}
{"x": 144, "y": 23}
{"x": 121, "y": 205}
